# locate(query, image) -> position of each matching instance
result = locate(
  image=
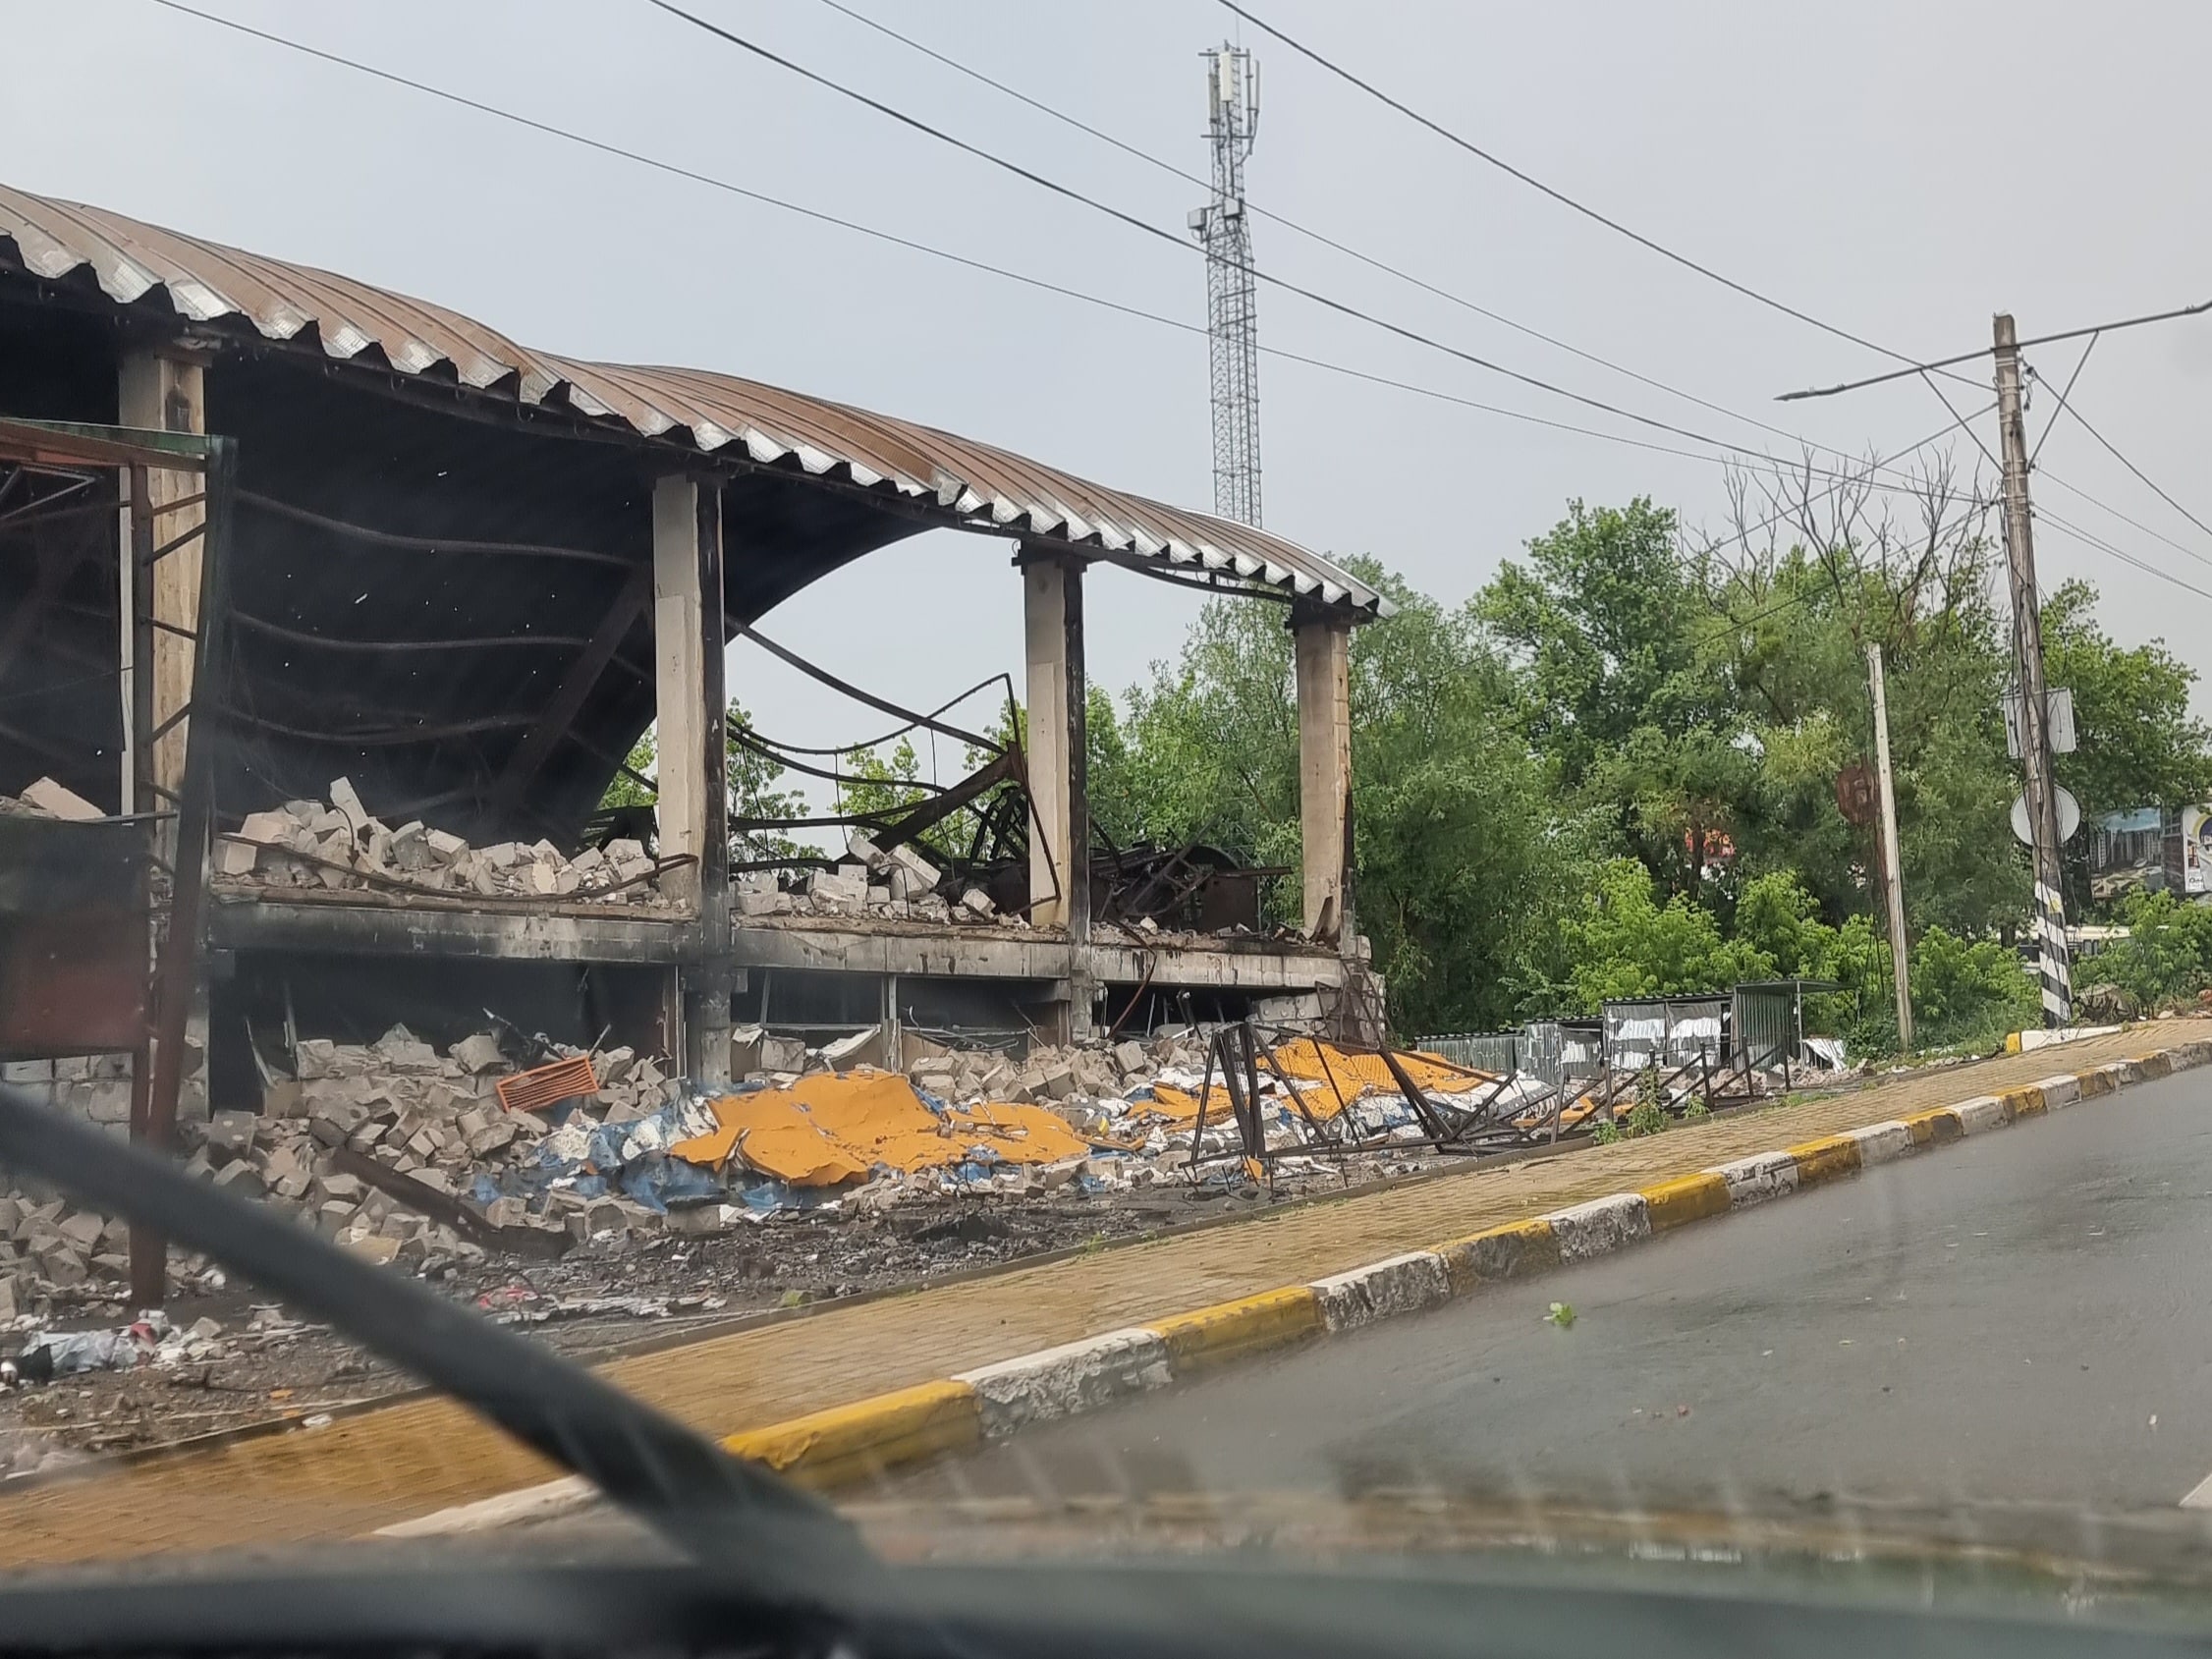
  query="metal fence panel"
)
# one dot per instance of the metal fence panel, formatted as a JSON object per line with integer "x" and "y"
{"x": 1480, "y": 1051}
{"x": 1766, "y": 1025}
{"x": 1666, "y": 1032}
{"x": 1541, "y": 1046}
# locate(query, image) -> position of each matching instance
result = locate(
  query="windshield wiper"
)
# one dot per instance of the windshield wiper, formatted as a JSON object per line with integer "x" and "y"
{"x": 764, "y": 1536}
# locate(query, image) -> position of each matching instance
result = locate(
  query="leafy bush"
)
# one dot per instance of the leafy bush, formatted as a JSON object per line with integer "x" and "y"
{"x": 2166, "y": 954}
{"x": 1624, "y": 943}
{"x": 1962, "y": 992}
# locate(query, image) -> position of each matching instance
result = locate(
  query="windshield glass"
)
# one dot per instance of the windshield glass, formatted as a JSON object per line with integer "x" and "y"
{"x": 1475, "y": 1034}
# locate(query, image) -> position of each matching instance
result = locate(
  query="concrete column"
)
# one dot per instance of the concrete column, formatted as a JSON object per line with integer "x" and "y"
{"x": 690, "y": 750}
{"x": 164, "y": 392}
{"x": 1324, "y": 771}
{"x": 678, "y": 676}
{"x": 1052, "y": 593}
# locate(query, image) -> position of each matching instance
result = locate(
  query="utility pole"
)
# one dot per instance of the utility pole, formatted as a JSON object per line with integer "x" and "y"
{"x": 2027, "y": 654}
{"x": 1893, "y": 877}
{"x": 1232, "y": 290}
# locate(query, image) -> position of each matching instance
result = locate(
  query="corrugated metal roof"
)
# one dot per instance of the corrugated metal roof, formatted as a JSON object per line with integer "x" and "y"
{"x": 966, "y": 480}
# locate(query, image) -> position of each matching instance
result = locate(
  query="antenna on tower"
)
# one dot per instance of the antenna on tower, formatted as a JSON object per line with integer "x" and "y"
{"x": 1232, "y": 318}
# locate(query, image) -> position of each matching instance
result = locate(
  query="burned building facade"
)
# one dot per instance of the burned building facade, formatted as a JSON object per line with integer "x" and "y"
{"x": 457, "y": 578}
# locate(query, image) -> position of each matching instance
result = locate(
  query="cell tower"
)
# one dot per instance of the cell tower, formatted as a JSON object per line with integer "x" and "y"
{"x": 1232, "y": 318}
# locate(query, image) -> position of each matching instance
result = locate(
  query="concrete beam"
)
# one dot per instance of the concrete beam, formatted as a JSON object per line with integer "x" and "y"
{"x": 952, "y": 954}
{"x": 422, "y": 931}
{"x": 572, "y": 935}
{"x": 165, "y": 392}
{"x": 1323, "y": 655}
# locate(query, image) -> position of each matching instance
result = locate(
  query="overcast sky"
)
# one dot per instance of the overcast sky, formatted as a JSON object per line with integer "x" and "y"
{"x": 1901, "y": 168}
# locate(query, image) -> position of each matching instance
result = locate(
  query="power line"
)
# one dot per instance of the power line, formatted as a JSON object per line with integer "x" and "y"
{"x": 2065, "y": 392}
{"x": 2075, "y": 489}
{"x": 1557, "y": 195}
{"x": 2140, "y": 475}
{"x": 1961, "y": 421}
{"x": 2097, "y": 543}
{"x": 1322, "y": 238}
{"x": 2128, "y": 519}
{"x": 1120, "y": 215}
{"x": 1806, "y": 596}
{"x": 2198, "y": 309}
{"x": 693, "y": 175}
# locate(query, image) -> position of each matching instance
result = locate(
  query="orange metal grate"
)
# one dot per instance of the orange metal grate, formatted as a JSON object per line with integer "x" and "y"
{"x": 547, "y": 1085}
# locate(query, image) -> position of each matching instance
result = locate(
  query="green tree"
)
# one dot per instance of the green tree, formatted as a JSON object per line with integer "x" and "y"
{"x": 1623, "y": 941}
{"x": 1796, "y": 624}
{"x": 1461, "y": 856}
{"x": 750, "y": 779}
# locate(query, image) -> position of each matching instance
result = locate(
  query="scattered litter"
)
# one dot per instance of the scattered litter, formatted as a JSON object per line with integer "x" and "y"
{"x": 1562, "y": 1314}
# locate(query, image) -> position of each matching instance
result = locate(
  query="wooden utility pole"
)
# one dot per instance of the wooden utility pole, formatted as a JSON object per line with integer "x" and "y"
{"x": 1893, "y": 878}
{"x": 2027, "y": 653}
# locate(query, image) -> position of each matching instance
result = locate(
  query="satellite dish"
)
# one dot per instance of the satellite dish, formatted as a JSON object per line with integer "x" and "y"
{"x": 2070, "y": 817}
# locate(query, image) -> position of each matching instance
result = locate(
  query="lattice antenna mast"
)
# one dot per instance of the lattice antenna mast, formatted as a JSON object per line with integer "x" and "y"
{"x": 1232, "y": 319}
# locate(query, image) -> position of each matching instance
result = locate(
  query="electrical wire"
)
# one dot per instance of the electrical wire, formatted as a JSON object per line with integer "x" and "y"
{"x": 1070, "y": 192}
{"x": 2065, "y": 392}
{"x": 1971, "y": 432}
{"x": 2198, "y": 309}
{"x": 857, "y": 227}
{"x": 1306, "y": 231}
{"x": 2142, "y": 476}
{"x": 1559, "y": 195}
{"x": 2098, "y": 544}
{"x": 1743, "y": 535}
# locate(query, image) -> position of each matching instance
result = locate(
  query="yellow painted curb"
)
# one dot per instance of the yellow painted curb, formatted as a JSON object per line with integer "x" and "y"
{"x": 2099, "y": 1082}
{"x": 826, "y": 1448}
{"x": 1829, "y": 1159}
{"x": 1685, "y": 1199}
{"x": 1934, "y": 1126}
{"x": 2159, "y": 1062}
{"x": 1230, "y": 1330}
{"x": 1499, "y": 1252}
{"x": 2012, "y": 1042}
{"x": 2025, "y": 1102}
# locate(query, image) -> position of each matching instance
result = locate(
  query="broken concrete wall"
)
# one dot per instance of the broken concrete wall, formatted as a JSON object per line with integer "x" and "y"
{"x": 96, "y": 1088}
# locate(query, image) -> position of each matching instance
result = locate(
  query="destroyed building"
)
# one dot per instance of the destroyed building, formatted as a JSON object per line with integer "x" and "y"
{"x": 448, "y": 580}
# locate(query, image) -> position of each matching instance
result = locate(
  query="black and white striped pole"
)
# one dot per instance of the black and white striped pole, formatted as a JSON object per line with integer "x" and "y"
{"x": 2027, "y": 653}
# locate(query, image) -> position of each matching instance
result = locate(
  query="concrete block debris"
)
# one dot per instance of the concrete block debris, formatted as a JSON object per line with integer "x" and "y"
{"x": 339, "y": 845}
{"x": 46, "y": 798}
{"x": 400, "y": 1150}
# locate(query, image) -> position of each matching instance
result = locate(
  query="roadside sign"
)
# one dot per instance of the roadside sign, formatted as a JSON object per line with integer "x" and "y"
{"x": 2070, "y": 817}
{"x": 1856, "y": 796}
{"x": 2058, "y": 701}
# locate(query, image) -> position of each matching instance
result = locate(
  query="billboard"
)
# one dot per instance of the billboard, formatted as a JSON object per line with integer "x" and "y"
{"x": 2197, "y": 848}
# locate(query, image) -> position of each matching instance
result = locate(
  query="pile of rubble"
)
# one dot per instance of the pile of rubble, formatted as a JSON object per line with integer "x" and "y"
{"x": 46, "y": 798}
{"x": 897, "y": 885}
{"x": 337, "y": 844}
{"x": 409, "y": 1155}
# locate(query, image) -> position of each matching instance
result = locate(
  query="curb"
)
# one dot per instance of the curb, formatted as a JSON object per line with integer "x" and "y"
{"x": 844, "y": 1443}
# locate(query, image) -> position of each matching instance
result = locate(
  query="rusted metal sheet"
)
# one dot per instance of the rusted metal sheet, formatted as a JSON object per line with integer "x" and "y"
{"x": 72, "y": 937}
{"x": 962, "y": 481}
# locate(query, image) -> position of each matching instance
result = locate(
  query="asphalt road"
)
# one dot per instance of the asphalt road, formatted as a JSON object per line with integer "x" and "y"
{"x": 2024, "y": 1318}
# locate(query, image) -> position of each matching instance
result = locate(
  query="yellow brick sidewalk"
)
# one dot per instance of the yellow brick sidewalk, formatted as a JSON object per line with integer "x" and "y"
{"x": 368, "y": 1470}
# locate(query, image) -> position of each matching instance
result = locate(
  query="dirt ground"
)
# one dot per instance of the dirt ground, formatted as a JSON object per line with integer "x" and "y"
{"x": 602, "y": 1295}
